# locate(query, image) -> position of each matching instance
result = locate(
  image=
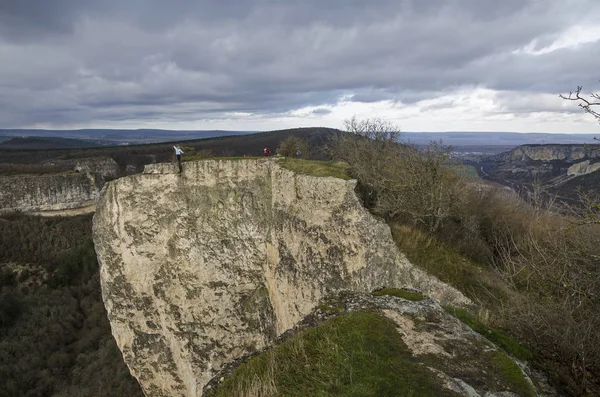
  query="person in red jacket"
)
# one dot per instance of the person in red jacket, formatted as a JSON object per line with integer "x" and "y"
{"x": 266, "y": 151}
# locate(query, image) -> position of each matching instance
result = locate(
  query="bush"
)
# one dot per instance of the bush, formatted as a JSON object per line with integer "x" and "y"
{"x": 76, "y": 265}
{"x": 11, "y": 308}
{"x": 7, "y": 278}
{"x": 400, "y": 182}
{"x": 292, "y": 144}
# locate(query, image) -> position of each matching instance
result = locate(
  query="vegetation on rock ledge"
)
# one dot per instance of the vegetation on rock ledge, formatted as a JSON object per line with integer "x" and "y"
{"x": 356, "y": 354}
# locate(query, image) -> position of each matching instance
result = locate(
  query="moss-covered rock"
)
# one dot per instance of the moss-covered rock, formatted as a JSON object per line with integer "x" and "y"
{"x": 359, "y": 344}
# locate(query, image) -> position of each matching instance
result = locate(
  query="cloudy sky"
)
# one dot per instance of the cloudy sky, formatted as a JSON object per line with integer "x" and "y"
{"x": 428, "y": 65}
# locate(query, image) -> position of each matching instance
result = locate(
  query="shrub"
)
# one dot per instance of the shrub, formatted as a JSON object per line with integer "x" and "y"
{"x": 76, "y": 264}
{"x": 292, "y": 144}
{"x": 7, "y": 278}
{"x": 400, "y": 181}
{"x": 11, "y": 308}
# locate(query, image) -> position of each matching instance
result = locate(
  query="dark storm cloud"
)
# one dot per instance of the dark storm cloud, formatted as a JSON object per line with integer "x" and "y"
{"x": 72, "y": 61}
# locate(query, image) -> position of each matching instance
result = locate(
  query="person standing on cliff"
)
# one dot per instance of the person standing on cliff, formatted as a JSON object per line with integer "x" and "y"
{"x": 178, "y": 153}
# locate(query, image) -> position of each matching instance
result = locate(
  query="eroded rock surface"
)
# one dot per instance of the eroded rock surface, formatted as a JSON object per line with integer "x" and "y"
{"x": 48, "y": 192}
{"x": 568, "y": 153}
{"x": 65, "y": 185}
{"x": 583, "y": 168}
{"x": 203, "y": 267}
{"x": 105, "y": 166}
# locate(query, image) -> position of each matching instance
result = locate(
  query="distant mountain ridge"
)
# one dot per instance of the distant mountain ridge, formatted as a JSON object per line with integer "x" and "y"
{"x": 119, "y": 136}
{"x": 453, "y": 138}
{"x": 36, "y": 142}
{"x": 457, "y": 138}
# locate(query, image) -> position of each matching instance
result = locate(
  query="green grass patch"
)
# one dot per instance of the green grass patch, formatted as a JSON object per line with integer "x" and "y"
{"x": 356, "y": 354}
{"x": 334, "y": 169}
{"x": 202, "y": 158}
{"x": 495, "y": 336}
{"x": 329, "y": 309}
{"x": 400, "y": 293}
{"x": 512, "y": 374}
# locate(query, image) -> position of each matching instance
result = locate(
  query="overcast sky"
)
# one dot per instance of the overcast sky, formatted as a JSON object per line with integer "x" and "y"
{"x": 428, "y": 65}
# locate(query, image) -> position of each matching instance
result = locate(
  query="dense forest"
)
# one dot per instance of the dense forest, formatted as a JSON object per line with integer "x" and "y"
{"x": 55, "y": 337}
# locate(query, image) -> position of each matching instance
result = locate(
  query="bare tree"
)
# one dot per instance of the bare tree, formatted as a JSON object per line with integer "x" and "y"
{"x": 292, "y": 145}
{"x": 589, "y": 106}
{"x": 377, "y": 129}
{"x": 400, "y": 181}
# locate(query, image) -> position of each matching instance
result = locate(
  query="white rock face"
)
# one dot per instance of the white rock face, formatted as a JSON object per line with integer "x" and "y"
{"x": 203, "y": 267}
{"x": 102, "y": 165}
{"x": 583, "y": 168}
{"x": 49, "y": 192}
{"x": 553, "y": 152}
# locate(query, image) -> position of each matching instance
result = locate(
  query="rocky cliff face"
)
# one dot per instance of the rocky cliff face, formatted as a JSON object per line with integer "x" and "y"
{"x": 106, "y": 167}
{"x": 583, "y": 168}
{"x": 48, "y": 192}
{"x": 202, "y": 267}
{"x": 561, "y": 169}
{"x": 77, "y": 185}
{"x": 568, "y": 153}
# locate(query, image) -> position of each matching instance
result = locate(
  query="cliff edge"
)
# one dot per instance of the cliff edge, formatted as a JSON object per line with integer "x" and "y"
{"x": 203, "y": 267}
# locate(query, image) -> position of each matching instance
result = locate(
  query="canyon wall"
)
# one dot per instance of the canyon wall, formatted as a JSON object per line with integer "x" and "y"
{"x": 48, "y": 192}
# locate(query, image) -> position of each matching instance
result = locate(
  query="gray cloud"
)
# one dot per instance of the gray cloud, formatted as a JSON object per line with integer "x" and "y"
{"x": 321, "y": 111}
{"x": 71, "y": 61}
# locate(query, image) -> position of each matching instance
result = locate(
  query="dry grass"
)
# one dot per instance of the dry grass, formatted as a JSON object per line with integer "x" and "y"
{"x": 316, "y": 168}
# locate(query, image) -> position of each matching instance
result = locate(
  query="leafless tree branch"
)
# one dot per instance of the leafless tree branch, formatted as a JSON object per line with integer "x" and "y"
{"x": 585, "y": 104}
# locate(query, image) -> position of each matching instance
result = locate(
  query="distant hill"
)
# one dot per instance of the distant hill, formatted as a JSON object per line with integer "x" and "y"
{"x": 464, "y": 139}
{"x": 117, "y": 137}
{"x": 132, "y": 158}
{"x": 507, "y": 139}
{"x": 37, "y": 142}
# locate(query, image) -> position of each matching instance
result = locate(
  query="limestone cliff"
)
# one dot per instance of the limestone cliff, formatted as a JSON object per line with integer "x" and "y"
{"x": 583, "y": 168}
{"x": 63, "y": 185}
{"x": 106, "y": 167}
{"x": 48, "y": 192}
{"x": 562, "y": 169}
{"x": 202, "y": 267}
{"x": 567, "y": 153}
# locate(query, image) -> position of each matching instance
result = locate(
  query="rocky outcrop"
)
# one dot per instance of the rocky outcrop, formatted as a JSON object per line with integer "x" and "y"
{"x": 205, "y": 266}
{"x": 583, "y": 168}
{"x": 48, "y": 192}
{"x": 77, "y": 186}
{"x": 561, "y": 170}
{"x": 106, "y": 167}
{"x": 460, "y": 360}
{"x": 568, "y": 153}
